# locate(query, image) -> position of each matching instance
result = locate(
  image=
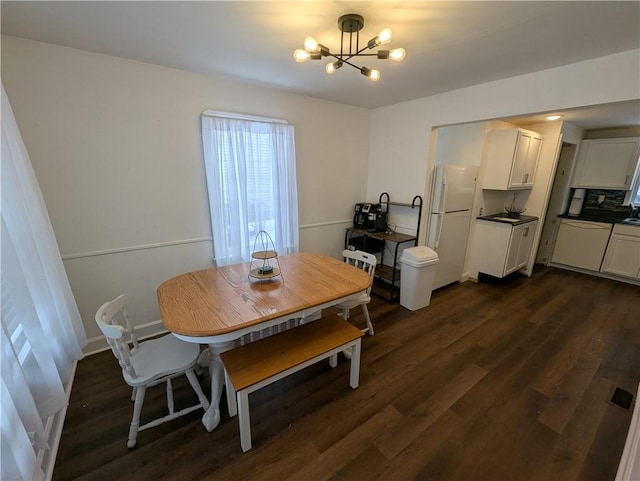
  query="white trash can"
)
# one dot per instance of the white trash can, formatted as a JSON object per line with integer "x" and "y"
{"x": 418, "y": 270}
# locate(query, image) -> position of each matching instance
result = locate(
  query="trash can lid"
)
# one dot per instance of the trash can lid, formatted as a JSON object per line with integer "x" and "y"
{"x": 419, "y": 256}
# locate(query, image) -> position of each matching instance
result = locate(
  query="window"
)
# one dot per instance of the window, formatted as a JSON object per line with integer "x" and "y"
{"x": 251, "y": 178}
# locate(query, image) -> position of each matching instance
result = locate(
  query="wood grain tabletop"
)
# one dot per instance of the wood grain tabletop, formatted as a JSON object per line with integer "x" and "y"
{"x": 225, "y": 299}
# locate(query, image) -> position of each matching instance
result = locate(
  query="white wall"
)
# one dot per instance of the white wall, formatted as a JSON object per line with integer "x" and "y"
{"x": 402, "y": 132}
{"x": 460, "y": 144}
{"x": 116, "y": 147}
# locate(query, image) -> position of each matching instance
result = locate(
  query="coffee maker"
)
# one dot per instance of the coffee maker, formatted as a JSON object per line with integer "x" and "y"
{"x": 370, "y": 217}
{"x": 361, "y": 215}
{"x": 377, "y": 221}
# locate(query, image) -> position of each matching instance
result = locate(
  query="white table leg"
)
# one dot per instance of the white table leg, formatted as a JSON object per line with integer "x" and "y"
{"x": 211, "y": 417}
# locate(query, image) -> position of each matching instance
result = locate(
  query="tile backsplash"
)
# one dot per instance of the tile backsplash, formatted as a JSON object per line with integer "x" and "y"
{"x": 599, "y": 201}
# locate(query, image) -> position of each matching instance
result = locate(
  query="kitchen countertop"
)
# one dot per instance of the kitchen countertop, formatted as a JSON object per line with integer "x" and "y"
{"x": 502, "y": 217}
{"x": 608, "y": 219}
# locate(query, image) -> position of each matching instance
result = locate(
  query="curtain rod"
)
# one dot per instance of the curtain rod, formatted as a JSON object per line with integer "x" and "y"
{"x": 254, "y": 118}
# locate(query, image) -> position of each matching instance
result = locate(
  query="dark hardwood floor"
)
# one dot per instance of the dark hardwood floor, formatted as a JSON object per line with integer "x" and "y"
{"x": 501, "y": 380}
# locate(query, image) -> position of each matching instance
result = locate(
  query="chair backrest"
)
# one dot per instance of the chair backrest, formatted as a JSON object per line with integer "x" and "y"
{"x": 113, "y": 320}
{"x": 362, "y": 260}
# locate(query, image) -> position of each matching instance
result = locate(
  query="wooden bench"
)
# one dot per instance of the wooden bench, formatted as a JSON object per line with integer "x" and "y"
{"x": 260, "y": 363}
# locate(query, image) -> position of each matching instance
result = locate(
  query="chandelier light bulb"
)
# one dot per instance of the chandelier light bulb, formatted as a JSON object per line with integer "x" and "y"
{"x": 301, "y": 55}
{"x": 384, "y": 36}
{"x": 372, "y": 74}
{"x": 310, "y": 44}
{"x": 397, "y": 54}
{"x": 333, "y": 66}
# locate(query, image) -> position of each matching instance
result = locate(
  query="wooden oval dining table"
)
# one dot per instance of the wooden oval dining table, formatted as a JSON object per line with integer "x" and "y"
{"x": 218, "y": 306}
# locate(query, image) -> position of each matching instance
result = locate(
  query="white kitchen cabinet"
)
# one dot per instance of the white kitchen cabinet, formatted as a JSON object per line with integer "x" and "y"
{"x": 503, "y": 248}
{"x": 512, "y": 159}
{"x": 623, "y": 252}
{"x": 607, "y": 163}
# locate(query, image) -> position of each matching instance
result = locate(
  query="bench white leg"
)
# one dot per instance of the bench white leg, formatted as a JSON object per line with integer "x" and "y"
{"x": 231, "y": 399}
{"x": 354, "y": 374}
{"x": 244, "y": 420}
{"x": 333, "y": 360}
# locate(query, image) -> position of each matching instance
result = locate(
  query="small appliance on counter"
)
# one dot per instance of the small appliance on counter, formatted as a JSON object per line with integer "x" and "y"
{"x": 370, "y": 217}
{"x": 377, "y": 222}
{"x": 361, "y": 215}
{"x": 576, "y": 202}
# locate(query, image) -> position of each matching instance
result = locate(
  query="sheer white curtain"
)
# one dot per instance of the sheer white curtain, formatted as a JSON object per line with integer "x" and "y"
{"x": 42, "y": 333}
{"x": 251, "y": 179}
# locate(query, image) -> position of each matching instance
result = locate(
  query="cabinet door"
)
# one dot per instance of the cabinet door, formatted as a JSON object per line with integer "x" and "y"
{"x": 510, "y": 264}
{"x": 511, "y": 159}
{"x": 531, "y": 161}
{"x": 623, "y": 256}
{"x": 490, "y": 246}
{"x": 525, "y": 160}
{"x": 607, "y": 163}
{"x": 526, "y": 243}
{"x": 519, "y": 247}
{"x": 519, "y": 160}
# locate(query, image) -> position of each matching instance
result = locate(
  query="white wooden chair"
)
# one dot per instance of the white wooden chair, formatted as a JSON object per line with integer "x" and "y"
{"x": 148, "y": 363}
{"x": 367, "y": 262}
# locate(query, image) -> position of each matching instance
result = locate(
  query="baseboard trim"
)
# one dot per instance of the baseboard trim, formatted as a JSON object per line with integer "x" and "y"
{"x": 627, "y": 280}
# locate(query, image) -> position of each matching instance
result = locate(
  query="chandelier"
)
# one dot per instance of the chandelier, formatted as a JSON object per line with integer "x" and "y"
{"x": 350, "y": 26}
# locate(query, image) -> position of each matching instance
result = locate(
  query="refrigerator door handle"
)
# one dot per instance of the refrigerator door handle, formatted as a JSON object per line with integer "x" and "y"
{"x": 438, "y": 231}
{"x": 443, "y": 195}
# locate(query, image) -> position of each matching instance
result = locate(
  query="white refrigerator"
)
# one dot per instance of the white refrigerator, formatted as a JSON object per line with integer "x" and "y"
{"x": 452, "y": 194}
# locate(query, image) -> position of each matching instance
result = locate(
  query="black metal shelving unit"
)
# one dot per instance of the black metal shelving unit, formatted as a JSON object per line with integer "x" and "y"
{"x": 387, "y": 277}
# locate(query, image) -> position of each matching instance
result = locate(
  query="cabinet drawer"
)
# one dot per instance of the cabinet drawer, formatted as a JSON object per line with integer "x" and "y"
{"x": 632, "y": 230}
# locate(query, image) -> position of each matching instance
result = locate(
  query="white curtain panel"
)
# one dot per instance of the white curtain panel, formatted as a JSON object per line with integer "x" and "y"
{"x": 42, "y": 332}
{"x": 251, "y": 178}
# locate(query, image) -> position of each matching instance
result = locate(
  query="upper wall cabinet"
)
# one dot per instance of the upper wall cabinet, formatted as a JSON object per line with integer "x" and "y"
{"x": 511, "y": 159}
{"x": 607, "y": 163}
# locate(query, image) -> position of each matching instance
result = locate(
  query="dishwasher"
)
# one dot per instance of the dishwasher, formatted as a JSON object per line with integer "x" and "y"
{"x": 581, "y": 243}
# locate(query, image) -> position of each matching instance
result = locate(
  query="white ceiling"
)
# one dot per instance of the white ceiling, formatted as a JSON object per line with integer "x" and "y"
{"x": 449, "y": 45}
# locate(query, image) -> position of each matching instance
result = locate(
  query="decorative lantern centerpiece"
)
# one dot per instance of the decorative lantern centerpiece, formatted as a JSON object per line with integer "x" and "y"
{"x": 264, "y": 258}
